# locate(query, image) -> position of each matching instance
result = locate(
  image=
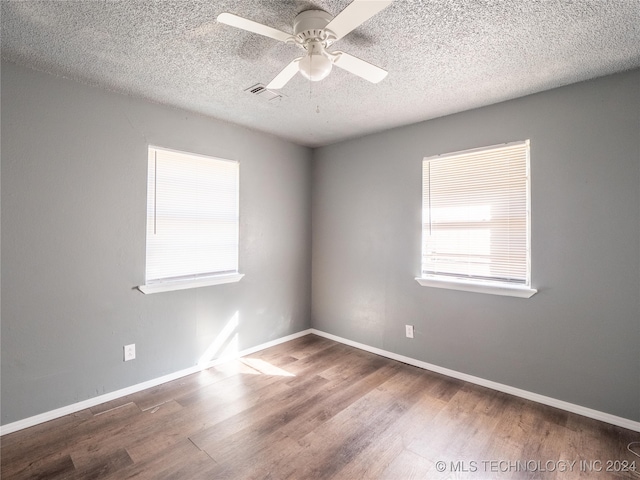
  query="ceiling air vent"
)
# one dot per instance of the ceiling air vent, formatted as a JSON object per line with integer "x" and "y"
{"x": 263, "y": 92}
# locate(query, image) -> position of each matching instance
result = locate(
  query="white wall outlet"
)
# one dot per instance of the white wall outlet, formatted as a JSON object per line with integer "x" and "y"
{"x": 409, "y": 330}
{"x": 129, "y": 352}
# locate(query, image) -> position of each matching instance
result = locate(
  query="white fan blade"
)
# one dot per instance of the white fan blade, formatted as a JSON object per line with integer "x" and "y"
{"x": 359, "y": 67}
{"x": 358, "y": 12}
{"x": 285, "y": 75}
{"x": 255, "y": 27}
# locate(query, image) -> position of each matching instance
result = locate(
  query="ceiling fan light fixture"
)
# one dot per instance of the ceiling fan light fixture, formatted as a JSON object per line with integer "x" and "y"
{"x": 315, "y": 66}
{"x": 314, "y": 31}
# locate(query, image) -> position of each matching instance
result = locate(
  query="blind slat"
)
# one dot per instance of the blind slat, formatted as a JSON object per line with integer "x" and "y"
{"x": 192, "y": 215}
{"x": 476, "y": 214}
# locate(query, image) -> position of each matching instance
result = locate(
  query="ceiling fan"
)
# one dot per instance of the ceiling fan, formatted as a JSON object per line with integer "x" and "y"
{"x": 314, "y": 31}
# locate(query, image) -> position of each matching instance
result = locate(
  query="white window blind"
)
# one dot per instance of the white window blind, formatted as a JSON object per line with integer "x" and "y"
{"x": 476, "y": 216}
{"x": 192, "y": 216}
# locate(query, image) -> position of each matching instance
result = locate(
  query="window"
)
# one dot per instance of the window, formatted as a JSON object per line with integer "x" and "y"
{"x": 476, "y": 220}
{"x": 192, "y": 221}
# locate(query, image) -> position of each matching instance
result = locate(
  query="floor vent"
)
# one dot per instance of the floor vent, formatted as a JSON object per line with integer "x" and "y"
{"x": 263, "y": 92}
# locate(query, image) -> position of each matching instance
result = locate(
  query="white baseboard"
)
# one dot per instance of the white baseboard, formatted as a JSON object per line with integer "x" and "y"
{"x": 92, "y": 402}
{"x": 76, "y": 407}
{"x": 569, "y": 407}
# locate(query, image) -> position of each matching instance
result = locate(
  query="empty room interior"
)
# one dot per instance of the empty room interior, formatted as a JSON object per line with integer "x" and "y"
{"x": 320, "y": 239}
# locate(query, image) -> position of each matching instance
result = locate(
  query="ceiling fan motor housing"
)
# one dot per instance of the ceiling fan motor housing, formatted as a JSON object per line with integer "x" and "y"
{"x": 311, "y": 25}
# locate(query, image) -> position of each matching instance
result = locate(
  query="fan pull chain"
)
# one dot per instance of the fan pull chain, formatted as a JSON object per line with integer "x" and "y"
{"x": 310, "y": 74}
{"x": 310, "y": 82}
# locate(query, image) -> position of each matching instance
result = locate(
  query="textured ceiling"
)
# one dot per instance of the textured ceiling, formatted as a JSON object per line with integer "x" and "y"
{"x": 443, "y": 56}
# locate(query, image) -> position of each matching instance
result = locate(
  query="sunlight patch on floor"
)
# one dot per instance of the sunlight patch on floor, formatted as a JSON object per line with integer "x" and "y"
{"x": 265, "y": 368}
{"x": 225, "y": 346}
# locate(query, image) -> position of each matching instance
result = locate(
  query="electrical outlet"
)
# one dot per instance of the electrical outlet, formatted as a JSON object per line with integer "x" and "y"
{"x": 129, "y": 352}
{"x": 409, "y": 330}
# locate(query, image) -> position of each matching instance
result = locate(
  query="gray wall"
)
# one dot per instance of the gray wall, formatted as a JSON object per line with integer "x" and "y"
{"x": 578, "y": 339}
{"x": 74, "y": 167}
{"x": 73, "y": 245}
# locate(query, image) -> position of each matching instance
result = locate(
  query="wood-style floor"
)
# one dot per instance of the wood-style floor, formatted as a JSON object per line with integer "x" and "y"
{"x": 316, "y": 409}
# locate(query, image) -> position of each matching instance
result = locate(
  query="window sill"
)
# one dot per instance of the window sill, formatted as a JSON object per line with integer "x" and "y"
{"x": 521, "y": 292}
{"x": 191, "y": 283}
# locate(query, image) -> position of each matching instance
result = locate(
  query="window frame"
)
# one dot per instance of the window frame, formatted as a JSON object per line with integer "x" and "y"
{"x": 194, "y": 280}
{"x": 494, "y": 287}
